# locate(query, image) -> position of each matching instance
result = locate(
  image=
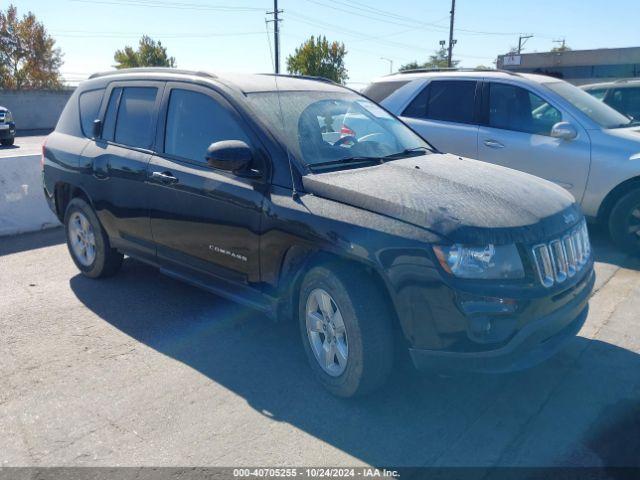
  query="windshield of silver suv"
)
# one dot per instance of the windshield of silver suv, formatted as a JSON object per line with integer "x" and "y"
{"x": 602, "y": 114}
{"x": 329, "y": 129}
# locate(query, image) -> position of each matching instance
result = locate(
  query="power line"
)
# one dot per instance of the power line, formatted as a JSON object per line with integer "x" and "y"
{"x": 173, "y": 5}
{"x": 97, "y": 34}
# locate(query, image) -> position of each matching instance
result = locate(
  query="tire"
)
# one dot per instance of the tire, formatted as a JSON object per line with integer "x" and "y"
{"x": 368, "y": 334}
{"x": 99, "y": 261}
{"x": 8, "y": 142}
{"x": 624, "y": 222}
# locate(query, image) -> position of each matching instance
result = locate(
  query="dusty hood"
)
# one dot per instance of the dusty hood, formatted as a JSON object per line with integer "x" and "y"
{"x": 464, "y": 200}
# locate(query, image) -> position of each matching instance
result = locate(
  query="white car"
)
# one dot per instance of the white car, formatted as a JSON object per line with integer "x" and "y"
{"x": 533, "y": 123}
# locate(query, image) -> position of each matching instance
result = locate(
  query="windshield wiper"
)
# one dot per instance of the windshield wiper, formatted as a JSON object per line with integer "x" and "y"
{"x": 407, "y": 152}
{"x": 347, "y": 161}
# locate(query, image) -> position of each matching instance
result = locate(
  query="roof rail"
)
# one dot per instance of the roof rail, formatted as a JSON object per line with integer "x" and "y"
{"x": 152, "y": 70}
{"x": 304, "y": 77}
{"x": 427, "y": 70}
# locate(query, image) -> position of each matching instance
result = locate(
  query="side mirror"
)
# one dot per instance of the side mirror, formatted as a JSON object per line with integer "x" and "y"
{"x": 564, "y": 130}
{"x": 230, "y": 155}
{"x": 96, "y": 129}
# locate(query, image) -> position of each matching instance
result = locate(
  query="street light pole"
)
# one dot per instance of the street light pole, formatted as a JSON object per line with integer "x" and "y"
{"x": 390, "y": 63}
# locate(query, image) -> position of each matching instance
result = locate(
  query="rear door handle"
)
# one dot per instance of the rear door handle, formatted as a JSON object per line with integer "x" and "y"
{"x": 493, "y": 144}
{"x": 164, "y": 177}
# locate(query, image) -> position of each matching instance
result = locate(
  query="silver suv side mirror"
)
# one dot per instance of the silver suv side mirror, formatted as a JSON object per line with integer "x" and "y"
{"x": 564, "y": 130}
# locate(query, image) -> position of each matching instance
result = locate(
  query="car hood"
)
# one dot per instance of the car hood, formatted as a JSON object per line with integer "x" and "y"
{"x": 464, "y": 200}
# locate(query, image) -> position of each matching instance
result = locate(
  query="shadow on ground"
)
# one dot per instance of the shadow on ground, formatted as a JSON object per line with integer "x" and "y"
{"x": 606, "y": 252}
{"x": 577, "y": 402}
{"x": 31, "y": 241}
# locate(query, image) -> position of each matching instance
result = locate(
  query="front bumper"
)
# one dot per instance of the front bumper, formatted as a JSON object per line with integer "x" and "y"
{"x": 535, "y": 342}
{"x": 8, "y": 132}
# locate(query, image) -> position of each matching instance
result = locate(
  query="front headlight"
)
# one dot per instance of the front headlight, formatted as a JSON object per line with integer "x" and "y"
{"x": 484, "y": 262}
{"x": 8, "y": 117}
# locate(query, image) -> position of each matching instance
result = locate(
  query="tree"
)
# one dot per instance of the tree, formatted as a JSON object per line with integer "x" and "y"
{"x": 561, "y": 48}
{"x": 28, "y": 55}
{"x": 319, "y": 58}
{"x": 437, "y": 60}
{"x": 149, "y": 54}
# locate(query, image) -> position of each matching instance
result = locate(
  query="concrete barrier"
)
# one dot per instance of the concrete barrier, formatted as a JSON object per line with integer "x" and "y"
{"x": 35, "y": 109}
{"x": 23, "y": 207}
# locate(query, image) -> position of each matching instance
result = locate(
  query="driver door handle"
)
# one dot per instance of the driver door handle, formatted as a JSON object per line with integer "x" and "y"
{"x": 164, "y": 177}
{"x": 493, "y": 144}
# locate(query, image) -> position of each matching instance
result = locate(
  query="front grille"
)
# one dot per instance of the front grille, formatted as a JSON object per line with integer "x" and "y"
{"x": 2, "y": 117}
{"x": 562, "y": 258}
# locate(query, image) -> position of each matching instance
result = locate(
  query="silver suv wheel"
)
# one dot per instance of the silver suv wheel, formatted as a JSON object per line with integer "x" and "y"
{"x": 326, "y": 332}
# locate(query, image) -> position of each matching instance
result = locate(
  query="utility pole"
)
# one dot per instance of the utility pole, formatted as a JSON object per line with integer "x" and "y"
{"x": 562, "y": 43}
{"x": 390, "y": 63}
{"x": 521, "y": 43}
{"x": 451, "y": 41}
{"x": 276, "y": 34}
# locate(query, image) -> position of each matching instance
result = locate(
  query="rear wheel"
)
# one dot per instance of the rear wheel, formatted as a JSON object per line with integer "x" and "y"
{"x": 624, "y": 222}
{"x": 88, "y": 243}
{"x": 346, "y": 331}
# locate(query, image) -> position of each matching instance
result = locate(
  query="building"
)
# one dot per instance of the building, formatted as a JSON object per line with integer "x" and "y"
{"x": 577, "y": 66}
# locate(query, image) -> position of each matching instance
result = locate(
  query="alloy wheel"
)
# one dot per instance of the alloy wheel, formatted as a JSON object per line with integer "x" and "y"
{"x": 82, "y": 239}
{"x": 327, "y": 333}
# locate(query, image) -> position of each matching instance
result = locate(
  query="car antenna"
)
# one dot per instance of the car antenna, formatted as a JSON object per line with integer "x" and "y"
{"x": 294, "y": 190}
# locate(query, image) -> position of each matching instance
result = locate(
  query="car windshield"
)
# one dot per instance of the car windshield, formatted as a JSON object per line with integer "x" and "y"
{"x": 328, "y": 128}
{"x": 599, "y": 112}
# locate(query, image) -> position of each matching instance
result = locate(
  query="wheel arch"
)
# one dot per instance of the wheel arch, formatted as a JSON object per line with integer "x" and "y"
{"x": 299, "y": 260}
{"x": 614, "y": 195}
{"x": 63, "y": 193}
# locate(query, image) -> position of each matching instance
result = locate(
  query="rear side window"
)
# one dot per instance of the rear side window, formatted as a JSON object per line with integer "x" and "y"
{"x": 451, "y": 101}
{"x": 515, "y": 108}
{"x": 381, "y": 90}
{"x": 89, "y": 107}
{"x": 195, "y": 121}
{"x": 136, "y": 116}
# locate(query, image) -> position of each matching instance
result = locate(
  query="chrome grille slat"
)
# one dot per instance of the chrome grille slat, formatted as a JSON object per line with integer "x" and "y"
{"x": 562, "y": 258}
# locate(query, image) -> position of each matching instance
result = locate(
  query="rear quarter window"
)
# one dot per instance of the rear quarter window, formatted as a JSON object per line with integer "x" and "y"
{"x": 89, "y": 107}
{"x": 381, "y": 90}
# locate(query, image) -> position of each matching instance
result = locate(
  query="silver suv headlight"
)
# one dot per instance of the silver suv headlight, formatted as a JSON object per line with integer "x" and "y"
{"x": 480, "y": 262}
{"x": 8, "y": 117}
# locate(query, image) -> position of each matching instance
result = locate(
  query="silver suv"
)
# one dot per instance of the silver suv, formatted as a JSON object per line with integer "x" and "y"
{"x": 623, "y": 95}
{"x": 533, "y": 123}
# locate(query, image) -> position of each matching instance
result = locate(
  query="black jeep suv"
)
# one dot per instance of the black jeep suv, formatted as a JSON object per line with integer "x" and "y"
{"x": 303, "y": 199}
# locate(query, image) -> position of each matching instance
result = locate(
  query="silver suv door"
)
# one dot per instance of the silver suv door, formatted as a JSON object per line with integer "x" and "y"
{"x": 516, "y": 133}
{"x": 444, "y": 113}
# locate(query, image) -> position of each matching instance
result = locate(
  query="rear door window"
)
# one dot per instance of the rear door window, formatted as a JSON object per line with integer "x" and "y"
{"x": 515, "y": 108}
{"x": 89, "y": 107}
{"x": 445, "y": 100}
{"x": 195, "y": 121}
{"x": 136, "y": 117}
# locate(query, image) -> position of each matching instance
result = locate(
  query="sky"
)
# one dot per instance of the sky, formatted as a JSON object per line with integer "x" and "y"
{"x": 231, "y": 35}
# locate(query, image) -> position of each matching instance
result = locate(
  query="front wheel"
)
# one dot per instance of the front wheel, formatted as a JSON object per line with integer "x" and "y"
{"x": 88, "y": 243}
{"x": 624, "y": 222}
{"x": 8, "y": 142}
{"x": 346, "y": 331}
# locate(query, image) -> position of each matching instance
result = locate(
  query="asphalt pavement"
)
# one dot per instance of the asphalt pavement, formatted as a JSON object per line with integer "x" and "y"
{"x": 141, "y": 370}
